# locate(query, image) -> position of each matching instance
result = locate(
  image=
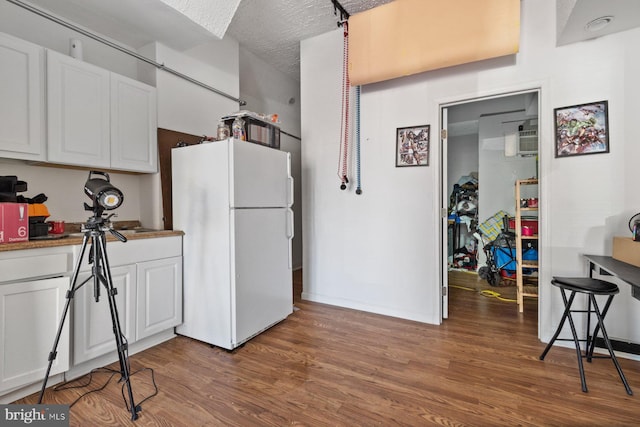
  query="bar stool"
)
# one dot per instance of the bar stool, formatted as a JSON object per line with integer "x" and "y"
{"x": 590, "y": 287}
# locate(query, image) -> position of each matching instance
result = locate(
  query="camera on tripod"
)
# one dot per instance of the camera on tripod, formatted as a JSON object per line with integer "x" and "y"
{"x": 104, "y": 196}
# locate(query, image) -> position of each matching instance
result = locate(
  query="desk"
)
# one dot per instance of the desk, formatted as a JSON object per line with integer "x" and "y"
{"x": 612, "y": 267}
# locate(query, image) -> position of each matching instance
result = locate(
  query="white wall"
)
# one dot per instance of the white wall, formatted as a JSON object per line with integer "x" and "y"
{"x": 498, "y": 172}
{"x": 267, "y": 90}
{"x": 462, "y": 156}
{"x": 374, "y": 251}
{"x": 381, "y": 251}
{"x": 184, "y": 106}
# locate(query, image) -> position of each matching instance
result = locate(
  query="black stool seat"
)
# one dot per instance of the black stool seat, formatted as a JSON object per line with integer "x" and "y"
{"x": 586, "y": 285}
{"x": 590, "y": 287}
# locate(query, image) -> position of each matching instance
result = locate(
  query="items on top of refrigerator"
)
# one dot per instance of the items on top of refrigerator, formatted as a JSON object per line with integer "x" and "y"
{"x": 253, "y": 127}
{"x": 238, "y": 129}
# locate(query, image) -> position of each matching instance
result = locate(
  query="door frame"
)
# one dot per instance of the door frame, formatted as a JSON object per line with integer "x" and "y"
{"x": 443, "y": 105}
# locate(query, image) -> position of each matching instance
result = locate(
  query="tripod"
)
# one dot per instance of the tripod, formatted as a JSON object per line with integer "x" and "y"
{"x": 94, "y": 230}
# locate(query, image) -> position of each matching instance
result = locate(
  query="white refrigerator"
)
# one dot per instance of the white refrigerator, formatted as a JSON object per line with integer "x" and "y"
{"x": 233, "y": 201}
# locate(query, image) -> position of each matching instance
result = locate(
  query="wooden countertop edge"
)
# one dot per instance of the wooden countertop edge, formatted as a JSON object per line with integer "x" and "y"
{"x": 75, "y": 240}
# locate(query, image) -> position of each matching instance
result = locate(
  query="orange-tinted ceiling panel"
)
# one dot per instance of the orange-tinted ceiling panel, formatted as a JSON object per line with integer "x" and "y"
{"x": 412, "y": 36}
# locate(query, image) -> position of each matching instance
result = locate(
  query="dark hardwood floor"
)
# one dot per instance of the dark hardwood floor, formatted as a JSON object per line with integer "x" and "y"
{"x": 328, "y": 366}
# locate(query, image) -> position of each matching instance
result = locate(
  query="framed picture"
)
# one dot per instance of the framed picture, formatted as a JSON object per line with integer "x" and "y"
{"x": 412, "y": 146}
{"x": 582, "y": 129}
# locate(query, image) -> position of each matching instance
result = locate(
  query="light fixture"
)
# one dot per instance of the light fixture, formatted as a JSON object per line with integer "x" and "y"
{"x": 598, "y": 23}
{"x": 103, "y": 194}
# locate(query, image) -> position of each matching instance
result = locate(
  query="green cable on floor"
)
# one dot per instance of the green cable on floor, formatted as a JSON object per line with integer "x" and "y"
{"x": 485, "y": 293}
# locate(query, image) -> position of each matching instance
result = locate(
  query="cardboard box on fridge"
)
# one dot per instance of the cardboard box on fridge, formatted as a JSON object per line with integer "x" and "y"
{"x": 14, "y": 222}
{"x": 625, "y": 249}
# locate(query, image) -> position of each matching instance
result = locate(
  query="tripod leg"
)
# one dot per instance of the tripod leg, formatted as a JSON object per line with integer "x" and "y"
{"x": 117, "y": 330}
{"x": 70, "y": 294}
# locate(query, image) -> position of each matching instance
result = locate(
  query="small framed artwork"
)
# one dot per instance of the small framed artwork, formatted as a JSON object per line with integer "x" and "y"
{"x": 412, "y": 146}
{"x": 582, "y": 129}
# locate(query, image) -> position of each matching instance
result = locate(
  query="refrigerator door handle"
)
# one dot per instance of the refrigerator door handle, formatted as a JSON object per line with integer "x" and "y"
{"x": 290, "y": 191}
{"x": 289, "y": 224}
{"x": 290, "y": 234}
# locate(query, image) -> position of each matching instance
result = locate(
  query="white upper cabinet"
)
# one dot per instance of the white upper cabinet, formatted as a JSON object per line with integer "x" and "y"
{"x": 98, "y": 118}
{"x": 78, "y": 112}
{"x": 133, "y": 125}
{"x": 22, "y": 94}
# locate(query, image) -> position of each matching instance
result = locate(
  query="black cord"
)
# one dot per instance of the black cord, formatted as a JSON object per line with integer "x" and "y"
{"x": 66, "y": 385}
{"x": 153, "y": 380}
{"x": 631, "y": 219}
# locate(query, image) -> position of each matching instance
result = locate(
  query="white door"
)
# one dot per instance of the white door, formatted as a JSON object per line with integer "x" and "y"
{"x": 78, "y": 112}
{"x": 158, "y": 296}
{"x": 263, "y": 290}
{"x": 133, "y": 125}
{"x": 30, "y": 313}
{"x": 22, "y": 91}
{"x": 92, "y": 326}
{"x": 444, "y": 270}
{"x": 260, "y": 176}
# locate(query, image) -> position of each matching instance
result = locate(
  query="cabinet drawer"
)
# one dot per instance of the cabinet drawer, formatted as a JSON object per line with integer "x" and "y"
{"x": 22, "y": 265}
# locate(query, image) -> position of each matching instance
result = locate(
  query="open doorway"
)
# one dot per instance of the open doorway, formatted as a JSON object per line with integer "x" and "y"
{"x": 489, "y": 144}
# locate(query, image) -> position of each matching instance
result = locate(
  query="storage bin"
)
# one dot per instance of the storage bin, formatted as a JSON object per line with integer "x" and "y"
{"x": 531, "y": 223}
{"x": 506, "y": 257}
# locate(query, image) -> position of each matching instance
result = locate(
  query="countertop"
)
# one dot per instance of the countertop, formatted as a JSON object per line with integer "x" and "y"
{"x": 76, "y": 239}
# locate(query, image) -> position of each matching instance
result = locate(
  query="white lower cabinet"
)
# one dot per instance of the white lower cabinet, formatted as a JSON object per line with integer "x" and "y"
{"x": 92, "y": 325}
{"x": 159, "y": 296}
{"x": 30, "y": 313}
{"x": 147, "y": 275}
{"x": 148, "y": 300}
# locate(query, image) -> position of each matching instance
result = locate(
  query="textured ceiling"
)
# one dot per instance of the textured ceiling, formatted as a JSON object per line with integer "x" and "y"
{"x": 213, "y": 15}
{"x": 272, "y": 29}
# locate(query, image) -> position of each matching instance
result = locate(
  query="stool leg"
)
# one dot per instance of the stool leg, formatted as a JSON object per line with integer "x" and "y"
{"x": 605, "y": 337}
{"x": 567, "y": 315}
{"x": 577, "y": 343}
{"x": 567, "y": 307}
{"x": 592, "y": 343}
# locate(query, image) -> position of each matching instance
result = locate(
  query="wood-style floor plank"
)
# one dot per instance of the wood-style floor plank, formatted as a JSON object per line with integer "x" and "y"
{"x": 332, "y": 366}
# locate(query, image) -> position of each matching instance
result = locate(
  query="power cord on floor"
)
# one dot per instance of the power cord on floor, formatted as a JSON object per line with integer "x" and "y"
{"x": 485, "y": 293}
{"x": 68, "y": 385}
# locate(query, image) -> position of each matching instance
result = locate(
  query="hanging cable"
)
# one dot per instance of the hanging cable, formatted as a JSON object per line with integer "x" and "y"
{"x": 358, "y": 183}
{"x": 344, "y": 128}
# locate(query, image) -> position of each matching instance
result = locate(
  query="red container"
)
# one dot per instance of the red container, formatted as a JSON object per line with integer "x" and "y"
{"x": 532, "y": 224}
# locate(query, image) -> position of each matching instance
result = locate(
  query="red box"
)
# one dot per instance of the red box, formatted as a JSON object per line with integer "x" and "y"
{"x": 14, "y": 222}
{"x": 532, "y": 225}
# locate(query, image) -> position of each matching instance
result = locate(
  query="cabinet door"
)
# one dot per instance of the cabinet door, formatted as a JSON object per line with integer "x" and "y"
{"x": 159, "y": 296}
{"x": 30, "y": 313}
{"x": 22, "y": 95}
{"x": 133, "y": 125}
{"x": 92, "y": 326}
{"x": 78, "y": 112}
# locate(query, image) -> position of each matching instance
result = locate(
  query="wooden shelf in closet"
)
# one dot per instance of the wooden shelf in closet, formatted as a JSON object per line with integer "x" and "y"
{"x": 521, "y": 264}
